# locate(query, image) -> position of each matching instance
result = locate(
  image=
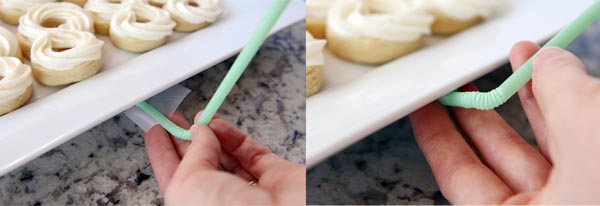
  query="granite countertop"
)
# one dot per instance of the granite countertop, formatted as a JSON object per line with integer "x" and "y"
{"x": 388, "y": 168}
{"x": 107, "y": 165}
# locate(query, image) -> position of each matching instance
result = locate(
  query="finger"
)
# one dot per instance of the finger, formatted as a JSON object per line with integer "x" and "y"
{"x": 561, "y": 83}
{"x": 180, "y": 145}
{"x": 513, "y": 160}
{"x": 200, "y": 114}
{"x": 162, "y": 155}
{"x": 287, "y": 182}
{"x": 200, "y": 165}
{"x": 566, "y": 94}
{"x": 214, "y": 188}
{"x": 254, "y": 157}
{"x": 228, "y": 162}
{"x": 519, "y": 54}
{"x": 527, "y": 198}
{"x": 232, "y": 165}
{"x": 462, "y": 178}
{"x": 204, "y": 152}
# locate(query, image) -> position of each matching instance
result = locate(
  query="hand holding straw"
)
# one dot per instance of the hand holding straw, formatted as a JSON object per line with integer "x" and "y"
{"x": 498, "y": 96}
{"x": 237, "y": 69}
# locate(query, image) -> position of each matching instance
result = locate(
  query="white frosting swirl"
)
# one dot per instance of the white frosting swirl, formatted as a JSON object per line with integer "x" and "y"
{"x": 70, "y": 16}
{"x": 22, "y": 5}
{"x": 104, "y": 9}
{"x": 314, "y": 50}
{"x": 392, "y": 20}
{"x": 81, "y": 47}
{"x": 318, "y": 8}
{"x": 205, "y": 11}
{"x": 157, "y": 25}
{"x": 461, "y": 9}
{"x": 8, "y": 43}
{"x": 16, "y": 78}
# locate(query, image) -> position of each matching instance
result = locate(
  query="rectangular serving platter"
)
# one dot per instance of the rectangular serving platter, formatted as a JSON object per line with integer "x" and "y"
{"x": 358, "y": 100}
{"x": 56, "y": 114}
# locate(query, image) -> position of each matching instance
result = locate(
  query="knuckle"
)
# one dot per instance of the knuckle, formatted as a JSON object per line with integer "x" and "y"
{"x": 256, "y": 154}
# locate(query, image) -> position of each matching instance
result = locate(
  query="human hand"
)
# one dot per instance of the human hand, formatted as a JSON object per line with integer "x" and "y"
{"x": 215, "y": 168}
{"x": 562, "y": 105}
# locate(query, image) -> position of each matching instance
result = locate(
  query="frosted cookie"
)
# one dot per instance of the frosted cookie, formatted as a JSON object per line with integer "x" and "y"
{"x": 15, "y": 84}
{"x": 9, "y": 47}
{"x": 192, "y": 15}
{"x": 11, "y": 10}
{"x": 103, "y": 10}
{"x": 62, "y": 56}
{"x": 316, "y": 16}
{"x": 314, "y": 64}
{"x": 453, "y": 16}
{"x": 375, "y": 31}
{"x": 138, "y": 27}
{"x": 39, "y": 20}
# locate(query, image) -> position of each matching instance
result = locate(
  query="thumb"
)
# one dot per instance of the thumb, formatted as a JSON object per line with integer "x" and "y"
{"x": 198, "y": 180}
{"x": 568, "y": 99}
{"x": 561, "y": 83}
{"x": 204, "y": 151}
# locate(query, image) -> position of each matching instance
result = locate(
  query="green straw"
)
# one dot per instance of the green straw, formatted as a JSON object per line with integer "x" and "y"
{"x": 498, "y": 96}
{"x": 237, "y": 69}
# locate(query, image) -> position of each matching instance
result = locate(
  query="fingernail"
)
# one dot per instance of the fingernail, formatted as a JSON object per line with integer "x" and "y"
{"x": 194, "y": 130}
{"x": 547, "y": 55}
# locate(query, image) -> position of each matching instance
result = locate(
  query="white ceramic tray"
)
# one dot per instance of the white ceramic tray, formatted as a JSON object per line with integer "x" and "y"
{"x": 55, "y": 115}
{"x": 358, "y": 100}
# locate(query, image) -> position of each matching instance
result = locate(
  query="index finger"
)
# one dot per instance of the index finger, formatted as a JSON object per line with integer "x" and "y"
{"x": 162, "y": 156}
{"x": 462, "y": 177}
{"x": 180, "y": 145}
{"x": 519, "y": 55}
{"x": 254, "y": 157}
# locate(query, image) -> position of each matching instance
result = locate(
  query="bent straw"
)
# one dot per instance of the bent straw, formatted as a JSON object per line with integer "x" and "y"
{"x": 498, "y": 96}
{"x": 238, "y": 67}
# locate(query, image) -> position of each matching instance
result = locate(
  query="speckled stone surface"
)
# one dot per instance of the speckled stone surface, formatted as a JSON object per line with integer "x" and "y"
{"x": 107, "y": 165}
{"x": 388, "y": 168}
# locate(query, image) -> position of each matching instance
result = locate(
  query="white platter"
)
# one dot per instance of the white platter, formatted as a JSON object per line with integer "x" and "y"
{"x": 55, "y": 115}
{"x": 358, "y": 100}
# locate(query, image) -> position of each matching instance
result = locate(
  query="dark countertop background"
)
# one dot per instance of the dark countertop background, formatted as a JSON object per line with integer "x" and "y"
{"x": 107, "y": 165}
{"x": 387, "y": 167}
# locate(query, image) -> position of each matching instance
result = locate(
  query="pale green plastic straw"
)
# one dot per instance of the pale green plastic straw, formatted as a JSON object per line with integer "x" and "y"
{"x": 498, "y": 96}
{"x": 236, "y": 70}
